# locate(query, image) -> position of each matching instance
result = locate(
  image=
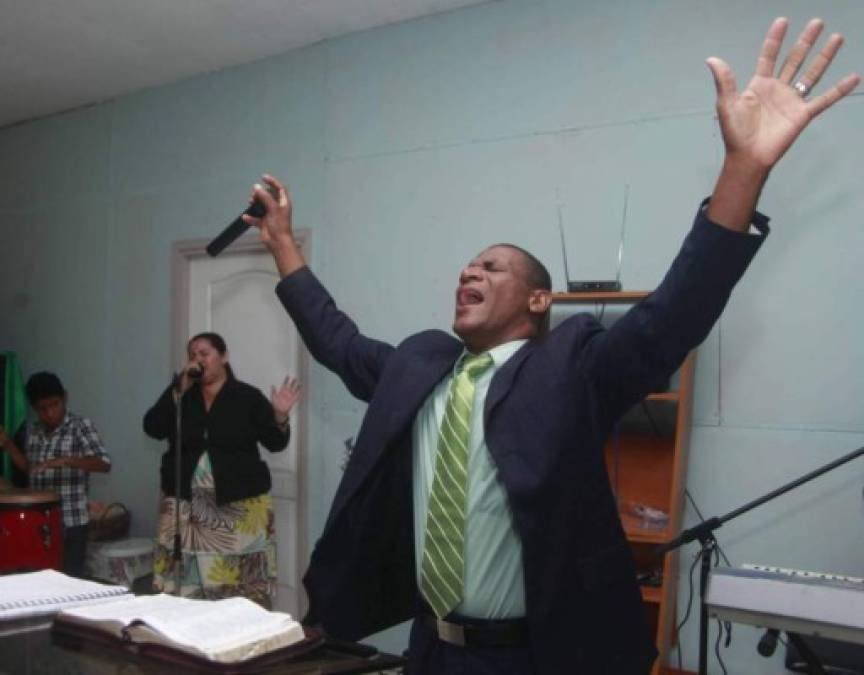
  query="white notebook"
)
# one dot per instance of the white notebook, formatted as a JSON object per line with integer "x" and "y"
{"x": 49, "y": 591}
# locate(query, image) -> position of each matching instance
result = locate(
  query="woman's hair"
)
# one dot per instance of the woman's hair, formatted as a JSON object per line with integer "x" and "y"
{"x": 217, "y": 342}
{"x": 43, "y": 385}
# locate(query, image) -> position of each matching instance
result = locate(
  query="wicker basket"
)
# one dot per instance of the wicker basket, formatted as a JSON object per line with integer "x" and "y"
{"x": 110, "y": 523}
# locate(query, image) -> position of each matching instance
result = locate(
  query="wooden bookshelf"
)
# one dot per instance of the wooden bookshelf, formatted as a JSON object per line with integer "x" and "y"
{"x": 601, "y": 296}
{"x": 646, "y": 459}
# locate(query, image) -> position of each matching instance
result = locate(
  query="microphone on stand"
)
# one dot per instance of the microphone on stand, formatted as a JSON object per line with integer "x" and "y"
{"x": 194, "y": 373}
{"x": 768, "y": 643}
{"x": 238, "y": 227}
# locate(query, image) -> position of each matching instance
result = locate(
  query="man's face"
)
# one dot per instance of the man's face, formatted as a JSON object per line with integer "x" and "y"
{"x": 492, "y": 300}
{"x": 51, "y": 411}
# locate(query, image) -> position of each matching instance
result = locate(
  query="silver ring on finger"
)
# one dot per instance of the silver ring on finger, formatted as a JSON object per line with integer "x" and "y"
{"x": 801, "y": 88}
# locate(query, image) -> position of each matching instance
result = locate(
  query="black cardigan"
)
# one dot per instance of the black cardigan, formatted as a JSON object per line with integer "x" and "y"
{"x": 239, "y": 419}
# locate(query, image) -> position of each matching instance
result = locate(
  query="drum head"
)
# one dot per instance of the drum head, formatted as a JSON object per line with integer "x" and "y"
{"x": 123, "y": 548}
{"x": 18, "y": 498}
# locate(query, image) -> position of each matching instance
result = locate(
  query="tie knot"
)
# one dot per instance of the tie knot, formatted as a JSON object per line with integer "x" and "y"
{"x": 473, "y": 365}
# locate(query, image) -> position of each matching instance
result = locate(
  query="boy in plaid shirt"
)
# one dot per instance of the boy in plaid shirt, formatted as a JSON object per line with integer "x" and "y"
{"x": 62, "y": 449}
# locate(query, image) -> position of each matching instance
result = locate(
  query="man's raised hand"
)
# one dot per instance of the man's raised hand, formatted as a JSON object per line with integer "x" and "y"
{"x": 276, "y": 225}
{"x": 761, "y": 122}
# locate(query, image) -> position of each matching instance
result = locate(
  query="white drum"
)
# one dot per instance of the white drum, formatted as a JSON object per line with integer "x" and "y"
{"x": 120, "y": 562}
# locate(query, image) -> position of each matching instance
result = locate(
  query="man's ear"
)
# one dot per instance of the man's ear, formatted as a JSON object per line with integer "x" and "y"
{"x": 539, "y": 301}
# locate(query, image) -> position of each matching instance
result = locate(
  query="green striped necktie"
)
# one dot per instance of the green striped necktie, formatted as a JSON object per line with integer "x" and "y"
{"x": 443, "y": 566}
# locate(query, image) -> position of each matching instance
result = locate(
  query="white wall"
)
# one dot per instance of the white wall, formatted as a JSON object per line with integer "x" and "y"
{"x": 409, "y": 148}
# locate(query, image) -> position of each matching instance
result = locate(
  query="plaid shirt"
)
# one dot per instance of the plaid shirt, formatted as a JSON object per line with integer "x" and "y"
{"x": 75, "y": 437}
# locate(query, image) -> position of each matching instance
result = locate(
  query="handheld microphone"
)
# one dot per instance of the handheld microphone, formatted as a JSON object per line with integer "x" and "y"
{"x": 194, "y": 373}
{"x": 238, "y": 227}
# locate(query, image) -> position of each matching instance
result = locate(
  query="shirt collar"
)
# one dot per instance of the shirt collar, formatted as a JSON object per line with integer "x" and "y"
{"x": 499, "y": 354}
{"x": 42, "y": 430}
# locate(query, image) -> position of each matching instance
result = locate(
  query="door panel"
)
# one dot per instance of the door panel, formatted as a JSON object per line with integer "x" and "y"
{"x": 233, "y": 295}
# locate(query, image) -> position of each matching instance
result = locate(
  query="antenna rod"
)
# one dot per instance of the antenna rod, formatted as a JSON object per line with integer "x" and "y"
{"x": 563, "y": 249}
{"x": 623, "y": 225}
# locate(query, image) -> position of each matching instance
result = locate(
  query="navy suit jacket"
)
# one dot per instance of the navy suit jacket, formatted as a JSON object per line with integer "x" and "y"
{"x": 548, "y": 412}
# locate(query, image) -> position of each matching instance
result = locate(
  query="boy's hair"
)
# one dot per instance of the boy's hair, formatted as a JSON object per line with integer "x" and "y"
{"x": 43, "y": 385}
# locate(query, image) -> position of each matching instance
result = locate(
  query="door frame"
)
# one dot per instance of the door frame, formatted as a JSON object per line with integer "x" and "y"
{"x": 182, "y": 254}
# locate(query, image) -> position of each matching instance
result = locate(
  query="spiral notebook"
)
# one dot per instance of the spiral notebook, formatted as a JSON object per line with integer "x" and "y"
{"x": 48, "y": 591}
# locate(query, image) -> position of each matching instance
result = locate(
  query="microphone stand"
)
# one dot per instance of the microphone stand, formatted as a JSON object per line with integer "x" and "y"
{"x": 178, "y": 446}
{"x": 704, "y": 532}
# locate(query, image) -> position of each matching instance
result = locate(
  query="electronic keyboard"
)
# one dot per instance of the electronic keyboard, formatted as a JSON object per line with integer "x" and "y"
{"x": 795, "y": 601}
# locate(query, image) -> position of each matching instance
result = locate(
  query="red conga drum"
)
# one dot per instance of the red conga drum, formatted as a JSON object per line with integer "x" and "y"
{"x": 31, "y": 534}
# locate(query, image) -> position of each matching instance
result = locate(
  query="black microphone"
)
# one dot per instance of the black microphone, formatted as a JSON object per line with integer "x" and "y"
{"x": 194, "y": 373}
{"x": 768, "y": 643}
{"x": 238, "y": 227}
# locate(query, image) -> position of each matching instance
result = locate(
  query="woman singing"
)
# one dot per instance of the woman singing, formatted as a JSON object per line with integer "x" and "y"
{"x": 226, "y": 514}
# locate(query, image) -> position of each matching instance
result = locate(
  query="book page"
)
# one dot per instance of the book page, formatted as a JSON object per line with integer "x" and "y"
{"x": 115, "y": 616}
{"x": 227, "y": 630}
{"x": 230, "y": 629}
{"x": 48, "y": 591}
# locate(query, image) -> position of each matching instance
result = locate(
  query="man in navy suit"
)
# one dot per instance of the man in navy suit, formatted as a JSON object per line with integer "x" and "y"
{"x": 546, "y": 581}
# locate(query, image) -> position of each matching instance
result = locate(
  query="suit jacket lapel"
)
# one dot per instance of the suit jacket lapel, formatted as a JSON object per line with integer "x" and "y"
{"x": 503, "y": 380}
{"x": 419, "y": 375}
{"x": 423, "y": 375}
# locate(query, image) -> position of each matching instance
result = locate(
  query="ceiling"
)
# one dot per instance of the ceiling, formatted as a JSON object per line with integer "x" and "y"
{"x": 56, "y": 55}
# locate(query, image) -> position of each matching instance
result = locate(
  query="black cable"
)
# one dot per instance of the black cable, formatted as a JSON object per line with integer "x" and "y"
{"x": 616, "y": 454}
{"x": 721, "y": 625}
{"x": 678, "y": 628}
{"x": 717, "y": 646}
{"x": 718, "y": 552}
{"x": 602, "y": 311}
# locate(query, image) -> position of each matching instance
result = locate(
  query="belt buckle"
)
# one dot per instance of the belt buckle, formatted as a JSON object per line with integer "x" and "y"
{"x": 452, "y": 633}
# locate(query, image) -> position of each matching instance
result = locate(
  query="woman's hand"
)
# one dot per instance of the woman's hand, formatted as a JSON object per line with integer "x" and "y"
{"x": 185, "y": 380}
{"x": 284, "y": 398}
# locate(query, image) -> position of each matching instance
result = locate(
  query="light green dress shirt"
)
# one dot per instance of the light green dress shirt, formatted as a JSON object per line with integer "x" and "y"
{"x": 494, "y": 578}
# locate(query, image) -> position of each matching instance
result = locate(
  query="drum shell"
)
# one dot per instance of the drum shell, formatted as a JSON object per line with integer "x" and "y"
{"x": 31, "y": 531}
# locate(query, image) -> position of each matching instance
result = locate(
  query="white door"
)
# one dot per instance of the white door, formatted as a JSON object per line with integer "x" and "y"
{"x": 233, "y": 295}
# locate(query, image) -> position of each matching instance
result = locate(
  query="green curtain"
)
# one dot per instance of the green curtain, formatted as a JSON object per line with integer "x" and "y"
{"x": 14, "y": 402}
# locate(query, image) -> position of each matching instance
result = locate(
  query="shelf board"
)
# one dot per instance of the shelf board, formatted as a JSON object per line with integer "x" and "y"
{"x": 645, "y": 535}
{"x": 663, "y": 396}
{"x": 600, "y": 296}
{"x": 652, "y": 594}
{"x": 640, "y": 470}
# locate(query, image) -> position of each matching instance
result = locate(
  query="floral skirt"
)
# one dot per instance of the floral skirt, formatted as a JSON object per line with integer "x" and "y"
{"x": 227, "y": 549}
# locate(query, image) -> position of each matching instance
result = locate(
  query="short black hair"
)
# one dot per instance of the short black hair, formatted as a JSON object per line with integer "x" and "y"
{"x": 43, "y": 385}
{"x": 537, "y": 274}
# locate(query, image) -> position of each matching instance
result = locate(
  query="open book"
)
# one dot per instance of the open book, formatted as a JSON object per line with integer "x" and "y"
{"x": 48, "y": 591}
{"x": 220, "y": 631}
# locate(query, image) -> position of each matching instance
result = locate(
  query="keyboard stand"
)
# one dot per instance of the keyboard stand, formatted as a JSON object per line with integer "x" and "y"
{"x": 807, "y": 654}
{"x": 704, "y": 533}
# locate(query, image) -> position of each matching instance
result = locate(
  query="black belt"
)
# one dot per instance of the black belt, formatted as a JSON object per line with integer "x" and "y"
{"x": 466, "y": 632}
